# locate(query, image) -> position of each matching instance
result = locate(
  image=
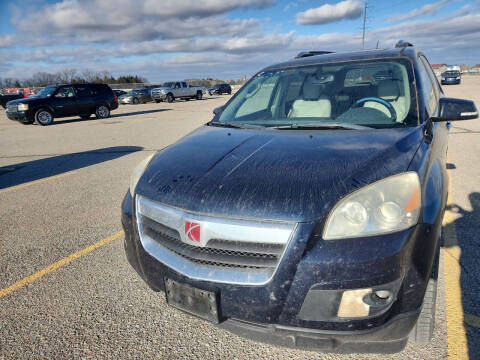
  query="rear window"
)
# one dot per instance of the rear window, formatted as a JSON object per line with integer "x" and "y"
{"x": 100, "y": 88}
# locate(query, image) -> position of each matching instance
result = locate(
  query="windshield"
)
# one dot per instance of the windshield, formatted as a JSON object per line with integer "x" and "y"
{"x": 451, "y": 73}
{"x": 46, "y": 91}
{"x": 376, "y": 93}
{"x": 169, "y": 84}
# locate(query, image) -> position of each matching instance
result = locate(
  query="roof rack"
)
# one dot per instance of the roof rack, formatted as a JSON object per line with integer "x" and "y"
{"x": 403, "y": 44}
{"x": 304, "y": 54}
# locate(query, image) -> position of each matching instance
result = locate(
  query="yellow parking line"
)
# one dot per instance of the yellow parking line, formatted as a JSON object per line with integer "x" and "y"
{"x": 456, "y": 332}
{"x": 30, "y": 279}
{"x": 21, "y": 186}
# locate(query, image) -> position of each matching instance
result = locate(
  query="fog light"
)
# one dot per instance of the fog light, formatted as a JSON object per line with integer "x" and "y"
{"x": 383, "y": 294}
{"x": 352, "y": 304}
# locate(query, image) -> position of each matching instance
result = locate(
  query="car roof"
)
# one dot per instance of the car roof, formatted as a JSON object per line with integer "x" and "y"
{"x": 409, "y": 52}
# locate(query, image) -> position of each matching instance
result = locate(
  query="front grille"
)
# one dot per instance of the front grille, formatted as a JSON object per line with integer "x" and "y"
{"x": 228, "y": 250}
{"x": 12, "y": 108}
{"x": 233, "y": 254}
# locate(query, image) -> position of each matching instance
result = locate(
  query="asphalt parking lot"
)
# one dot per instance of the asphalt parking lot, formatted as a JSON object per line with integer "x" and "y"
{"x": 67, "y": 291}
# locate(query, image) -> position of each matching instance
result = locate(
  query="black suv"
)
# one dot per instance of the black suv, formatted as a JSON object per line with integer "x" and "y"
{"x": 308, "y": 212}
{"x": 64, "y": 100}
{"x": 220, "y": 89}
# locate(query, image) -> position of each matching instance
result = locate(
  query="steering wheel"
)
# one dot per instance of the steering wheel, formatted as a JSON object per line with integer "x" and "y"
{"x": 391, "y": 109}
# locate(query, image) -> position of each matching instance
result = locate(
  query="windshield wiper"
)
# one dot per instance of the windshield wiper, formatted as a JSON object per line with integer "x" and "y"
{"x": 235, "y": 126}
{"x": 321, "y": 126}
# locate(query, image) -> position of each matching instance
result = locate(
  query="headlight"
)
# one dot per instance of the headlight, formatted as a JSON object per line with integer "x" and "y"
{"x": 458, "y": 77}
{"x": 443, "y": 78}
{"x": 22, "y": 107}
{"x": 138, "y": 172}
{"x": 386, "y": 206}
{"x": 163, "y": 91}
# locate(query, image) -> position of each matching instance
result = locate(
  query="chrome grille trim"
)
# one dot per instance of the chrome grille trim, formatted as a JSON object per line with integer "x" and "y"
{"x": 231, "y": 251}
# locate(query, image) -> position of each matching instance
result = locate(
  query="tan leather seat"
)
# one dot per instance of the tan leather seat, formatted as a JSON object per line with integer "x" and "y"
{"x": 389, "y": 90}
{"x": 313, "y": 104}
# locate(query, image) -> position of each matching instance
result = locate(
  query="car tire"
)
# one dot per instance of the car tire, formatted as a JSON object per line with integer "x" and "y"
{"x": 44, "y": 117}
{"x": 135, "y": 101}
{"x": 422, "y": 332}
{"x": 199, "y": 95}
{"x": 230, "y": 92}
{"x": 170, "y": 98}
{"x": 85, "y": 117}
{"x": 102, "y": 112}
{"x": 187, "y": 99}
{"x": 157, "y": 101}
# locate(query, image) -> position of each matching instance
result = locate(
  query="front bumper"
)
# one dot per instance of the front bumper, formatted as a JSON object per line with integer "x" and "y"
{"x": 125, "y": 101}
{"x": 450, "y": 81}
{"x": 298, "y": 307}
{"x": 390, "y": 337}
{"x": 161, "y": 97}
{"x": 22, "y": 116}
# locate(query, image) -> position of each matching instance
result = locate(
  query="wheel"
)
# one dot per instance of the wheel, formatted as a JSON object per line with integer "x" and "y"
{"x": 210, "y": 93}
{"x": 85, "y": 117}
{"x": 187, "y": 99}
{"x": 157, "y": 101}
{"x": 102, "y": 112}
{"x": 229, "y": 92}
{"x": 135, "y": 101}
{"x": 170, "y": 98}
{"x": 44, "y": 117}
{"x": 422, "y": 332}
{"x": 199, "y": 95}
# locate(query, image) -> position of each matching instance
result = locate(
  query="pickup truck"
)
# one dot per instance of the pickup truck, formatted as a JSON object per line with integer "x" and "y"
{"x": 177, "y": 89}
{"x": 4, "y": 99}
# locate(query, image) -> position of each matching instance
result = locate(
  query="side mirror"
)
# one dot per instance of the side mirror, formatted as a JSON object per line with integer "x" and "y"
{"x": 217, "y": 111}
{"x": 456, "y": 109}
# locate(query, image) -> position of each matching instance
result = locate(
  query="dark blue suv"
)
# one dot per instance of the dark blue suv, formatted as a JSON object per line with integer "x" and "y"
{"x": 308, "y": 212}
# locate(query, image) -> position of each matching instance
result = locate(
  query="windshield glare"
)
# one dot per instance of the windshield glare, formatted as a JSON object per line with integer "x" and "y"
{"x": 376, "y": 93}
{"x": 46, "y": 91}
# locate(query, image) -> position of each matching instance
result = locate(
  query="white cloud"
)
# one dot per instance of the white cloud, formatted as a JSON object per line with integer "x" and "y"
{"x": 428, "y": 9}
{"x": 348, "y": 9}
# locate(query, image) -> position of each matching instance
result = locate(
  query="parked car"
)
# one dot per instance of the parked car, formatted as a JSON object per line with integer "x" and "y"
{"x": 5, "y": 98}
{"x": 119, "y": 92}
{"x": 308, "y": 212}
{"x": 220, "y": 89}
{"x": 136, "y": 96}
{"x": 177, "y": 90}
{"x": 451, "y": 77}
{"x": 56, "y": 101}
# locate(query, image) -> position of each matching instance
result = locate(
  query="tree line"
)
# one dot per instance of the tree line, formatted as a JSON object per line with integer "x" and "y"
{"x": 69, "y": 76}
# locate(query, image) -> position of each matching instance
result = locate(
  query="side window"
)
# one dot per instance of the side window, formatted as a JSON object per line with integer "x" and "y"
{"x": 82, "y": 90}
{"x": 427, "y": 88}
{"x": 184, "y": 84}
{"x": 65, "y": 92}
{"x": 436, "y": 86}
{"x": 177, "y": 86}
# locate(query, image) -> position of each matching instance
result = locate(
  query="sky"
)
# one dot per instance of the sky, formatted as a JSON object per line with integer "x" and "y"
{"x": 183, "y": 39}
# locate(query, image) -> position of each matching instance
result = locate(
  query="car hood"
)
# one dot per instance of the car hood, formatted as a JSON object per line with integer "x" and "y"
{"x": 292, "y": 175}
{"x": 28, "y": 100}
{"x": 160, "y": 88}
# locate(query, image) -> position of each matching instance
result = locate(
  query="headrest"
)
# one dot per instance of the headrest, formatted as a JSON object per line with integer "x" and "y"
{"x": 388, "y": 89}
{"x": 312, "y": 88}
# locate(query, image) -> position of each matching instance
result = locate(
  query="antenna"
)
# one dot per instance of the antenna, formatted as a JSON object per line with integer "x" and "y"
{"x": 364, "y": 21}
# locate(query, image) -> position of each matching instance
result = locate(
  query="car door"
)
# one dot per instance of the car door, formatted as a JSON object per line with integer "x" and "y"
{"x": 64, "y": 101}
{"x": 85, "y": 101}
{"x": 436, "y": 132}
{"x": 186, "y": 90}
{"x": 178, "y": 90}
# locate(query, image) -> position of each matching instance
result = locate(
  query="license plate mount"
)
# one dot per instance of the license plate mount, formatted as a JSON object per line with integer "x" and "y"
{"x": 197, "y": 302}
